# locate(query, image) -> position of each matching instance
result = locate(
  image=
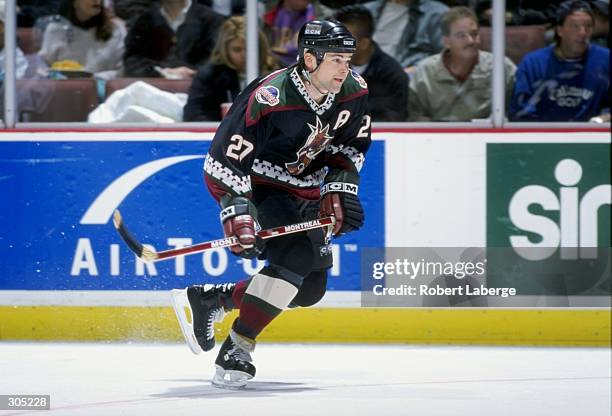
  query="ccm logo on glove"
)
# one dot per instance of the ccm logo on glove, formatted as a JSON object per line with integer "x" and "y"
{"x": 340, "y": 201}
{"x": 339, "y": 187}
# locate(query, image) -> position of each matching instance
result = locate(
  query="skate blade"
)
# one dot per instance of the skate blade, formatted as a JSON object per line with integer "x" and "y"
{"x": 180, "y": 303}
{"x": 230, "y": 379}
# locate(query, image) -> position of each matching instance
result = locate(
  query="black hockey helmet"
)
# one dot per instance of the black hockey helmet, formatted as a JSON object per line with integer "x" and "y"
{"x": 321, "y": 36}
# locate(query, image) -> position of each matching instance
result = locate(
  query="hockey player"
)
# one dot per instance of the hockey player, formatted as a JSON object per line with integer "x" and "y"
{"x": 289, "y": 150}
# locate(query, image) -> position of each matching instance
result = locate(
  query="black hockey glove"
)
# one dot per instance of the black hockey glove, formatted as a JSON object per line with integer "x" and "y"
{"x": 339, "y": 199}
{"x": 239, "y": 219}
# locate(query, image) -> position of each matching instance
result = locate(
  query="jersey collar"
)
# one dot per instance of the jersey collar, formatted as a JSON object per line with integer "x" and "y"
{"x": 319, "y": 109}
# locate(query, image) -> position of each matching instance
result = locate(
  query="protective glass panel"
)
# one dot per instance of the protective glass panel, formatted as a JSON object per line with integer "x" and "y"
{"x": 83, "y": 61}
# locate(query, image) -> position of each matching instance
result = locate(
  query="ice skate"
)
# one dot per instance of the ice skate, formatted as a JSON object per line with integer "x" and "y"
{"x": 233, "y": 364}
{"x": 204, "y": 305}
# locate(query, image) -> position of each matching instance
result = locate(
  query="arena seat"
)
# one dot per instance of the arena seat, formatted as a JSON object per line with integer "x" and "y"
{"x": 29, "y": 40}
{"x": 520, "y": 40}
{"x": 170, "y": 85}
{"x": 49, "y": 100}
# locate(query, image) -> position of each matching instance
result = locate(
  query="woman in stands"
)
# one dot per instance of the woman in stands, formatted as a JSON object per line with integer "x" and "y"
{"x": 85, "y": 39}
{"x": 216, "y": 84}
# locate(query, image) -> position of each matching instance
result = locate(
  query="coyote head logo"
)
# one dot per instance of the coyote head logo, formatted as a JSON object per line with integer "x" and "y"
{"x": 316, "y": 142}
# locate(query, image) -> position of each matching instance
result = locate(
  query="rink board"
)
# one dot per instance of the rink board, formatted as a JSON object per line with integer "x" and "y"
{"x": 64, "y": 264}
{"x": 65, "y": 190}
{"x": 327, "y": 325}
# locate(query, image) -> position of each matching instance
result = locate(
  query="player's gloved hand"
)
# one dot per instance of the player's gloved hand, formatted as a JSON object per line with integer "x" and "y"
{"x": 239, "y": 219}
{"x": 339, "y": 199}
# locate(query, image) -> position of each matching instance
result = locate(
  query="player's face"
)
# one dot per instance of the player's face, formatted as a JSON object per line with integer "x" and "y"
{"x": 575, "y": 34}
{"x": 332, "y": 71}
{"x": 236, "y": 53}
{"x": 464, "y": 38}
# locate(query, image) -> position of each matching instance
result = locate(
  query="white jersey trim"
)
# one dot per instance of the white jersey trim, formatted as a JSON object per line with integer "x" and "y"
{"x": 272, "y": 171}
{"x": 239, "y": 184}
{"x": 351, "y": 153}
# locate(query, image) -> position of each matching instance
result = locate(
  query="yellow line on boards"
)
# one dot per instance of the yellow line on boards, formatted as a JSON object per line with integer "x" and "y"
{"x": 327, "y": 325}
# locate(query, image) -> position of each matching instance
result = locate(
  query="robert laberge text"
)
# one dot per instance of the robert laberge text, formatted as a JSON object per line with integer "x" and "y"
{"x": 424, "y": 290}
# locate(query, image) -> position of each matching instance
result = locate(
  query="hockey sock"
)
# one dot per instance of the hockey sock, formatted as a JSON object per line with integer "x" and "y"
{"x": 269, "y": 292}
{"x": 237, "y": 295}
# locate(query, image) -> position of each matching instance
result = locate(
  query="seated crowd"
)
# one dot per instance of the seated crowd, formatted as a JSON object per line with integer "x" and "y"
{"x": 423, "y": 60}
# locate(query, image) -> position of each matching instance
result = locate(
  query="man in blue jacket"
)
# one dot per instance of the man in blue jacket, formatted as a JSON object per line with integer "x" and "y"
{"x": 568, "y": 81}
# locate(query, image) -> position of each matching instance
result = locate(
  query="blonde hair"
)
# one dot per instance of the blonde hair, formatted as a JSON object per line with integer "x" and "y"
{"x": 235, "y": 28}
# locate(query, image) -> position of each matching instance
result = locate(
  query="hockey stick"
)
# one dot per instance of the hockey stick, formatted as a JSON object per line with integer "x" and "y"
{"x": 147, "y": 254}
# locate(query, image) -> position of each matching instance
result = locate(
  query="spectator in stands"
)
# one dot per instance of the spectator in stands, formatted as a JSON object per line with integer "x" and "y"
{"x": 455, "y": 85}
{"x": 567, "y": 81}
{"x": 408, "y": 30}
{"x": 520, "y": 12}
{"x": 226, "y": 7}
{"x": 282, "y": 24}
{"x": 387, "y": 82}
{"x": 85, "y": 39}
{"x": 338, "y": 4}
{"x": 28, "y": 11}
{"x": 327, "y": 9}
{"x": 220, "y": 82}
{"x": 601, "y": 27}
{"x": 455, "y": 3}
{"x": 130, "y": 10}
{"x": 21, "y": 64}
{"x": 171, "y": 40}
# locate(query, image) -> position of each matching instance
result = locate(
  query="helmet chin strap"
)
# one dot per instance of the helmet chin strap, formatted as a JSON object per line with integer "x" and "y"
{"x": 307, "y": 76}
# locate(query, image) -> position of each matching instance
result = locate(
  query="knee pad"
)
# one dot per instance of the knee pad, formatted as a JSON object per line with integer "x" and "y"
{"x": 312, "y": 290}
{"x": 274, "y": 285}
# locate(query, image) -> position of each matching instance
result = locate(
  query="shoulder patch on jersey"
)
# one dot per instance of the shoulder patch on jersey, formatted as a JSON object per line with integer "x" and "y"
{"x": 354, "y": 86}
{"x": 359, "y": 79}
{"x": 268, "y": 94}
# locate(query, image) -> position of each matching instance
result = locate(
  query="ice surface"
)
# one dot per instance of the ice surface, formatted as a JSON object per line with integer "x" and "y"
{"x": 292, "y": 380}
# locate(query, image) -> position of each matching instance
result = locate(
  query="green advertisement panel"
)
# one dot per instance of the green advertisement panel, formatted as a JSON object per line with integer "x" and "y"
{"x": 549, "y": 202}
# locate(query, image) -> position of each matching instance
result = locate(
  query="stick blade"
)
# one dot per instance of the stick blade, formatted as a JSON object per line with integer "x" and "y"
{"x": 131, "y": 241}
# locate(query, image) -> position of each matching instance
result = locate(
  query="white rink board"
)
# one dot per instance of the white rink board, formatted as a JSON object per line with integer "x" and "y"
{"x": 435, "y": 193}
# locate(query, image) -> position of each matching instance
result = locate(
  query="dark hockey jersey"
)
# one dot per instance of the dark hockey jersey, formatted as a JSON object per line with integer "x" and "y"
{"x": 275, "y": 134}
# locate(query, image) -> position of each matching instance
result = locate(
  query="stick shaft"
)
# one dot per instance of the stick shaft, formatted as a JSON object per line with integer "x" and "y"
{"x": 151, "y": 255}
{"x": 232, "y": 241}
